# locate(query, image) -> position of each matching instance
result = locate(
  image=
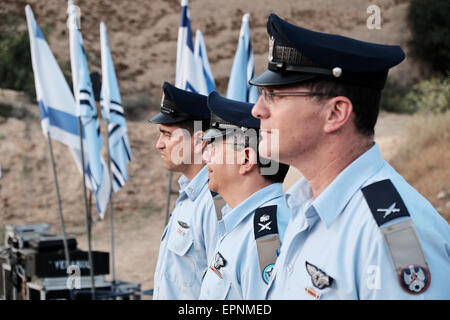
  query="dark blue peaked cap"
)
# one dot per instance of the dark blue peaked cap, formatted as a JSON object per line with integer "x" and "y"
{"x": 229, "y": 115}
{"x": 297, "y": 55}
{"x": 179, "y": 105}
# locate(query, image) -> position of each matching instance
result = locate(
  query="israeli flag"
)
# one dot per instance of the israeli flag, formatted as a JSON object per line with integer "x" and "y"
{"x": 96, "y": 169}
{"x": 189, "y": 71}
{"x": 243, "y": 68}
{"x": 112, "y": 110}
{"x": 56, "y": 103}
{"x": 201, "y": 55}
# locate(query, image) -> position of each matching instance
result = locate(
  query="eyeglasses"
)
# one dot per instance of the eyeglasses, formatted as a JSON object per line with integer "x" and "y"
{"x": 210, "y": 144}
{"x": 213, "y": 142}
{"x": 268, "y": 95}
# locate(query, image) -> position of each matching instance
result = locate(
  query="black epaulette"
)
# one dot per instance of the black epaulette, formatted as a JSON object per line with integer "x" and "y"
{"x": 265, "y": 228}
{"x": 400, "y": 237}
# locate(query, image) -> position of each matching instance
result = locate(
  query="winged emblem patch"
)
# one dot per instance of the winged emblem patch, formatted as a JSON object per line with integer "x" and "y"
{"x": 319, "y": 278}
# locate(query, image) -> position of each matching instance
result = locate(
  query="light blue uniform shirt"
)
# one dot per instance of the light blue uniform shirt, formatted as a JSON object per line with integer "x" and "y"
{"x": 240, "y": 276}
{"x": 188, "y": 241}
{"x": 338, "y": 235}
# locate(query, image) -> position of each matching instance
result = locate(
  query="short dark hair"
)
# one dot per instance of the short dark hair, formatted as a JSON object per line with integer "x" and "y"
{"x": 366, "y": 101}
{"x": 189, "y": 125}
{"x": 283, "y": 169}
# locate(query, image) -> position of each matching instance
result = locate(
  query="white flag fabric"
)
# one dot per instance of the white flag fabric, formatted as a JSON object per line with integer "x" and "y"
{"x": 96, "y": 169}
{"x": 189, "y": 72}
{"x": 243, "y": 68}
{"x": 202, "y": 56}
{"x": 56, "y": 103}
{"x": 112, "y": 110}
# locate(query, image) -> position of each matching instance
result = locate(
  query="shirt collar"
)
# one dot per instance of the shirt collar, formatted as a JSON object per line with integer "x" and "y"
{"x": 299, "y": 193}
{"x": 332, "y": 201}
{"x": 193, "y": 188}
{"x": 232, "y": 217}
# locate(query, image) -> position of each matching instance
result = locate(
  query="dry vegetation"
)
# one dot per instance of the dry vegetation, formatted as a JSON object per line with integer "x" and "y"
{"x": 424, "y": 158}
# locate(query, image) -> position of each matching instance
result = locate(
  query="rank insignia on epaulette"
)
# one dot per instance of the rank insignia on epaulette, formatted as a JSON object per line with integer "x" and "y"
{"x": 265, "y": 221}
{"x": 414, "y": 278}
{"x": 319, "y": 278}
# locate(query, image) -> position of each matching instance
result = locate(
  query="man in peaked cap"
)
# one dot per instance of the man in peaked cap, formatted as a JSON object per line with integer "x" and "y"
{"x": 256, "y": 214}
{"x": 191, "y": 234}
{"x": 358, "y": 230}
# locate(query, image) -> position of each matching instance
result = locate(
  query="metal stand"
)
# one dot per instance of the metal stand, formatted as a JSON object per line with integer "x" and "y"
{"x": 88, "y": 212}
{"x": 111, "y": 212}
{"x": 61, "y": 217}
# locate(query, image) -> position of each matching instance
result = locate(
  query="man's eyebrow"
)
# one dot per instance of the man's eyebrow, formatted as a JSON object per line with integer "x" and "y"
{"x": 164, "y": 131}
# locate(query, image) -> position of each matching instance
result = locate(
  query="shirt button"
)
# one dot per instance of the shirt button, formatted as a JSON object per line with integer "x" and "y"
{"x": 289, "y": 267}
{"x": 191, "y": 190}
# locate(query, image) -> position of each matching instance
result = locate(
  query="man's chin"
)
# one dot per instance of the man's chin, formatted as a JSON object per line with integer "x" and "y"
{"x": 264, "y": 149}
{"x": 212, "y": 186}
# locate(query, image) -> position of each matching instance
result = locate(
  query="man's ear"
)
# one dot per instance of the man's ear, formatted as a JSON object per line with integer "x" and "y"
{"x": 199, "y": 145}
{"x": 248, "y": 161}
{"x": 338, "y": 112}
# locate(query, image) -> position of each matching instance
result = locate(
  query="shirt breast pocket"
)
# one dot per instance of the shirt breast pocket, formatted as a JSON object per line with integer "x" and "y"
{"x": 183, "y": 270}
{"x": 215, "y": 288}
{"x": 180, "y": 244}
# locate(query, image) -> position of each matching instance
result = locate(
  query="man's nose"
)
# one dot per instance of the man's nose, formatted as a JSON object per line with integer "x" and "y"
{"x": 160, "y": 144}
{"x": 260, "y": 109}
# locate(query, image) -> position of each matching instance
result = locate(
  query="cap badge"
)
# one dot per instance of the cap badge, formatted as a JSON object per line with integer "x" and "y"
{"x": 337, "y": 72}
{"x": 163, "y": 97}
{"x": 271, "y": 43}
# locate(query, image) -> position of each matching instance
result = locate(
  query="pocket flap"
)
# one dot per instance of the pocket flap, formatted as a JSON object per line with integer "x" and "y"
{"x": 180, "y": 244}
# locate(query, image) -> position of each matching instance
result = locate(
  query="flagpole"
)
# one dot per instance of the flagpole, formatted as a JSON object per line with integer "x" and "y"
{"x": 111, "y": 212}
{"x": 61, "y": 217}
{"x": 88, "y": 213}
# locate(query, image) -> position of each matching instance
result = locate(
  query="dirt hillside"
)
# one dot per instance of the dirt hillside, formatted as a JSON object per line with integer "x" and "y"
{"x": 143, "y": 33}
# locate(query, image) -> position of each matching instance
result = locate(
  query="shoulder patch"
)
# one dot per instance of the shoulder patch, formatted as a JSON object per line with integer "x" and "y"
{"x": 265, "y": 221}
{"x": 384, "y": 202}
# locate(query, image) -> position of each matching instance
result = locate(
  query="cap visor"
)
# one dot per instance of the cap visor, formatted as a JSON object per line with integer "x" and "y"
{"x": 270, "y": 78}
{"x": 213, "y": 134}
{"x": 162, "y": 118}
